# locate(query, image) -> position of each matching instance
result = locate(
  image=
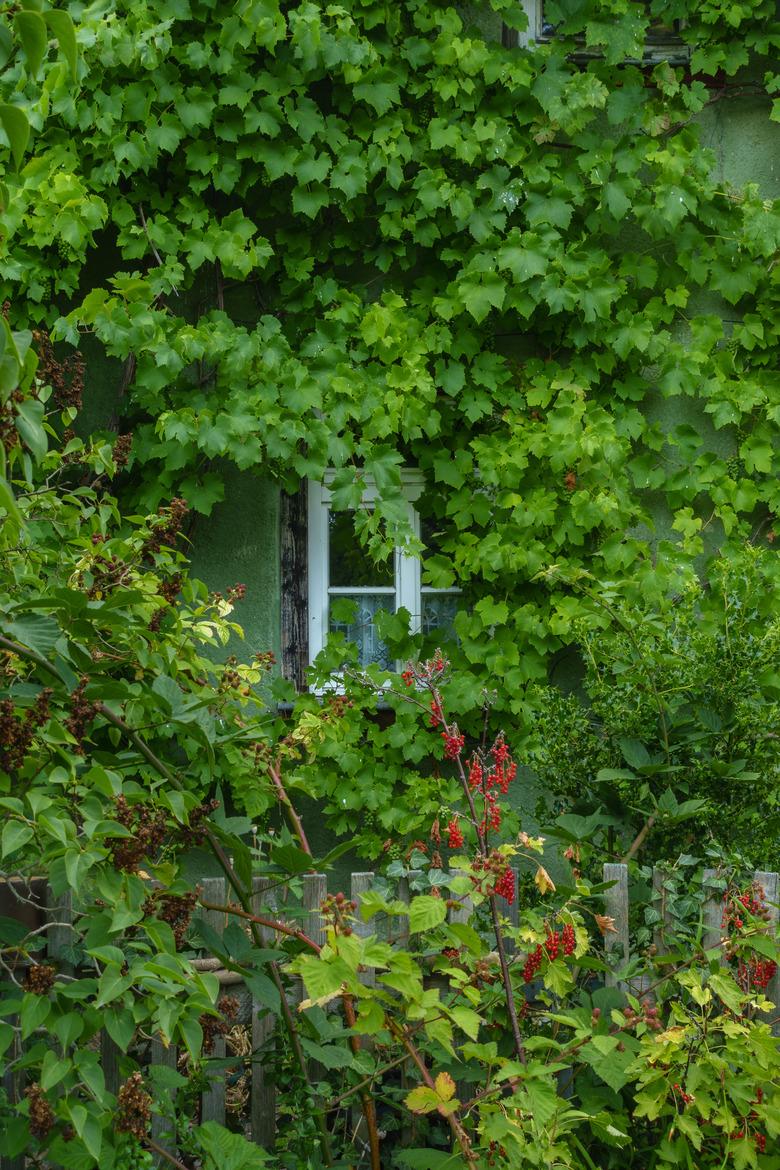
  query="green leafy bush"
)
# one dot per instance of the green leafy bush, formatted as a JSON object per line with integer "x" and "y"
{"x": 677, "y": 716}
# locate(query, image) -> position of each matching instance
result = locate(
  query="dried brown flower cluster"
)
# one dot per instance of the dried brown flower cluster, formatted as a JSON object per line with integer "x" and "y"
{"x": 17, "y": 731}
{"x": 215, "y": 1026}
{"x": 148, "y": 828}
{"x": 133, "y": 1107}
{"x": 39, "y": 980}
{"x": 66, "y": 378}
{"x": 175, "y": 909}
{"x": 41, "y": 1113}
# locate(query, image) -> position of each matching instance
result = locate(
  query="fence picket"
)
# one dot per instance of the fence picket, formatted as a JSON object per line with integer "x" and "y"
{"x": 161, "y": 1125}
{"x": 212, "y": 1101}
{"x": 462, "y": 912}
{"x": 109, "y": 1062}
{"x": 769, "y": 882}
{"x": 12, "y": 1086}
{"x": 663, "y": 927}
{"x": 263, "y": 1091}
{"x": 59, "y": 908}
{"x": 616, "y": 905}
{"x": 712, "y": 914}
{"x": 359, "y": 884}
{"x": 262, "y": 1121}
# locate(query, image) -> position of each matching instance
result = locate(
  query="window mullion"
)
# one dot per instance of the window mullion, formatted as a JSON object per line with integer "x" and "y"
{"x": 318, "y": 568}
{"x": 408, "y": 575}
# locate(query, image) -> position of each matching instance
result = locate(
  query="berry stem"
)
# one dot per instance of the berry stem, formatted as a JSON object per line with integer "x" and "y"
{"x": 506, "y": 977}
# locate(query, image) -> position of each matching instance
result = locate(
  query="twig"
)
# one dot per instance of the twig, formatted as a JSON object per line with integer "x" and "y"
{"x": 270, "y": 923}
{"x": 163, "y": 1153}
{"x": 454, "y": 1123}
{"x": 638, "y": 841}
{"x": 275, "y": 774}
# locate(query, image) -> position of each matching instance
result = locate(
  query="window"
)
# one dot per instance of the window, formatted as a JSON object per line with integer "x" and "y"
{"x": 662, "y": 42}
{"x": 340, "y": 570}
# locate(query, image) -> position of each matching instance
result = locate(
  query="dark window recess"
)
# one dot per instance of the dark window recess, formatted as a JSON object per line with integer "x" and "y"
{"x": 295, "y": 587}
{"x": 350, "y": 565}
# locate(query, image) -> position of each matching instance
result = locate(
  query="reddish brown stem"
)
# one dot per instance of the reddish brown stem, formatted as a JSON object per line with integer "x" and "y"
{"x": 163, "y": 1153}
{"x": 506, "y": 976}
{"x": 366, "y": 1100}
{"x": 459, "y": 1133}
{"x": 271, "y": 923}
{"x": 274, "y": 773}
{"x": 639, "y": 840}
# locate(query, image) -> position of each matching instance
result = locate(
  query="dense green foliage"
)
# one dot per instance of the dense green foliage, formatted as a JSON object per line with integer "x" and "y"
{"x": 680, "y": 706}
{"x": 360, "y": 236}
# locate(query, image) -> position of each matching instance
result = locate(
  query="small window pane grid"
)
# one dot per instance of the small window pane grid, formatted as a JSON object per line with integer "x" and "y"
{"x": 339, "y": 570}
{"x": 662, "y": 41}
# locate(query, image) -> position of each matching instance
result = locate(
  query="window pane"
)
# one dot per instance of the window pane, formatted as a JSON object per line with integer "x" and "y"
{"x": 438, "y": 612}
{"x": 350, "y": 564}
{"x": 362, "y": 630}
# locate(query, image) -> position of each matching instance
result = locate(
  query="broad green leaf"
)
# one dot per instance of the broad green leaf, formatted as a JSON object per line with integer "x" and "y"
{"x": 426, "y": 912}
{"x": 35, "y": 1011}
{"x": 61, "y": 25}
{"x": 31, "y": 30}
{"x": 17, "y": 129}
{"x": 15, "y": 835}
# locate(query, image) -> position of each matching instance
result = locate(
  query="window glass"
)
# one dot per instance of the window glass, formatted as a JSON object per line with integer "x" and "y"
{"x": 362, "y": 629}
{"x": 438, "y": 612}
{"x": 350, "y": 564}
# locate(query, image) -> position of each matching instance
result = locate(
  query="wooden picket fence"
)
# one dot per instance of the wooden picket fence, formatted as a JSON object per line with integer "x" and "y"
{"x": 260, "y": 1124}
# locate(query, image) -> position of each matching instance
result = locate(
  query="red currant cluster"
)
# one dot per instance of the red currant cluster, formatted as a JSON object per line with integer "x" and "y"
{"x": 738, "y": 904}
{"x": 505, "y": 886}
{"x": 759, "y": 1139}
{"x": 681, "y": 1096}
{"x": 755, "y": 973}
{"x": 498, "y": 878}
{"x": 555, "y": 942}
{"x": 454, "y": 833}
{"x": 453, "y": 743}
{"x": 487, "y": 774}
{"x": 739, "y": 908}
{"x": 532, "y": 964}
{"x": 426, "y": 673}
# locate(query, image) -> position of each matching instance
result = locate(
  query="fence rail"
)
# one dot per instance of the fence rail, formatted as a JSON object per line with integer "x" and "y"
{"x": 260, "y": 1112}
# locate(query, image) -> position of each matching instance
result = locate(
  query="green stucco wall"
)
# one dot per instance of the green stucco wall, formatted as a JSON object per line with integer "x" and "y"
{"x": 239, "y": 542}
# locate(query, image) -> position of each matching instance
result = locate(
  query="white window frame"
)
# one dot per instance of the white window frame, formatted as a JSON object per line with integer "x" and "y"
{"x": 673, "y": 50}
{"x": 407, "y": 588}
